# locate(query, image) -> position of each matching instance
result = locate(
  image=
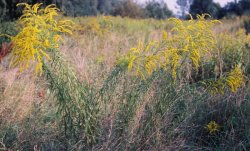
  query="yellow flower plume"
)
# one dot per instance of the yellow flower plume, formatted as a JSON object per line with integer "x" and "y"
{"x": 40, "y": 33}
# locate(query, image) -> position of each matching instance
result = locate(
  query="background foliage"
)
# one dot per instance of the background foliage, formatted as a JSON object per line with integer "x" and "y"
{"x": 151, "y": 9}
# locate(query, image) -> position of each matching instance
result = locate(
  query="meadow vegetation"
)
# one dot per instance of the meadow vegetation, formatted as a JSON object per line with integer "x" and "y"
{"x": 112, "y": 83}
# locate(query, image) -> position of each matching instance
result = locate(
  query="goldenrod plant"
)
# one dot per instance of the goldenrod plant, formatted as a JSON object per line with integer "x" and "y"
{"x": 77, "y": 101}
{"x": 40, "y": 33}
{"x": 38, "y": 43}
{"x": 188, "y": 42}
{"x": 233, "y": 80}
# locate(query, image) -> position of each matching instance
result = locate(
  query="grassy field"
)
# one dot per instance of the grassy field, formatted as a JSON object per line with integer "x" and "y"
{"x": 125, "y": 84}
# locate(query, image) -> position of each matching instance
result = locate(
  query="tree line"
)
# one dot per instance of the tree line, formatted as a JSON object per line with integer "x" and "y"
{"x": 152, "y": 9}
{"x": 231, "y": 9}
{"x": 129, "y": 8}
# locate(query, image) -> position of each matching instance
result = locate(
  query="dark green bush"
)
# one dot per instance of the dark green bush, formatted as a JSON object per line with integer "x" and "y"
{"x": 8, "y": 28}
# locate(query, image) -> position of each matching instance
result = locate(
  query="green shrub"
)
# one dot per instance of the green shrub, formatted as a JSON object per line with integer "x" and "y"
{"x": 8, "y": 28}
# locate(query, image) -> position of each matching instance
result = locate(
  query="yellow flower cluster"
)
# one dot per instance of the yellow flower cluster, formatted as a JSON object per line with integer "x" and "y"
{"x": 95, "y": 25}
{"x": 233, "y": 81}
{"x": 141, "y": 58}
{"x": 188, "y": 42}
{"x": 212, "y": 127}
{"x": 40, "y": 32}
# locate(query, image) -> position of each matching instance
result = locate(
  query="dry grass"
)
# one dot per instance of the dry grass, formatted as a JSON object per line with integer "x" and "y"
{"x": 17, "y": 96}
{"x": 94, "y": 56}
